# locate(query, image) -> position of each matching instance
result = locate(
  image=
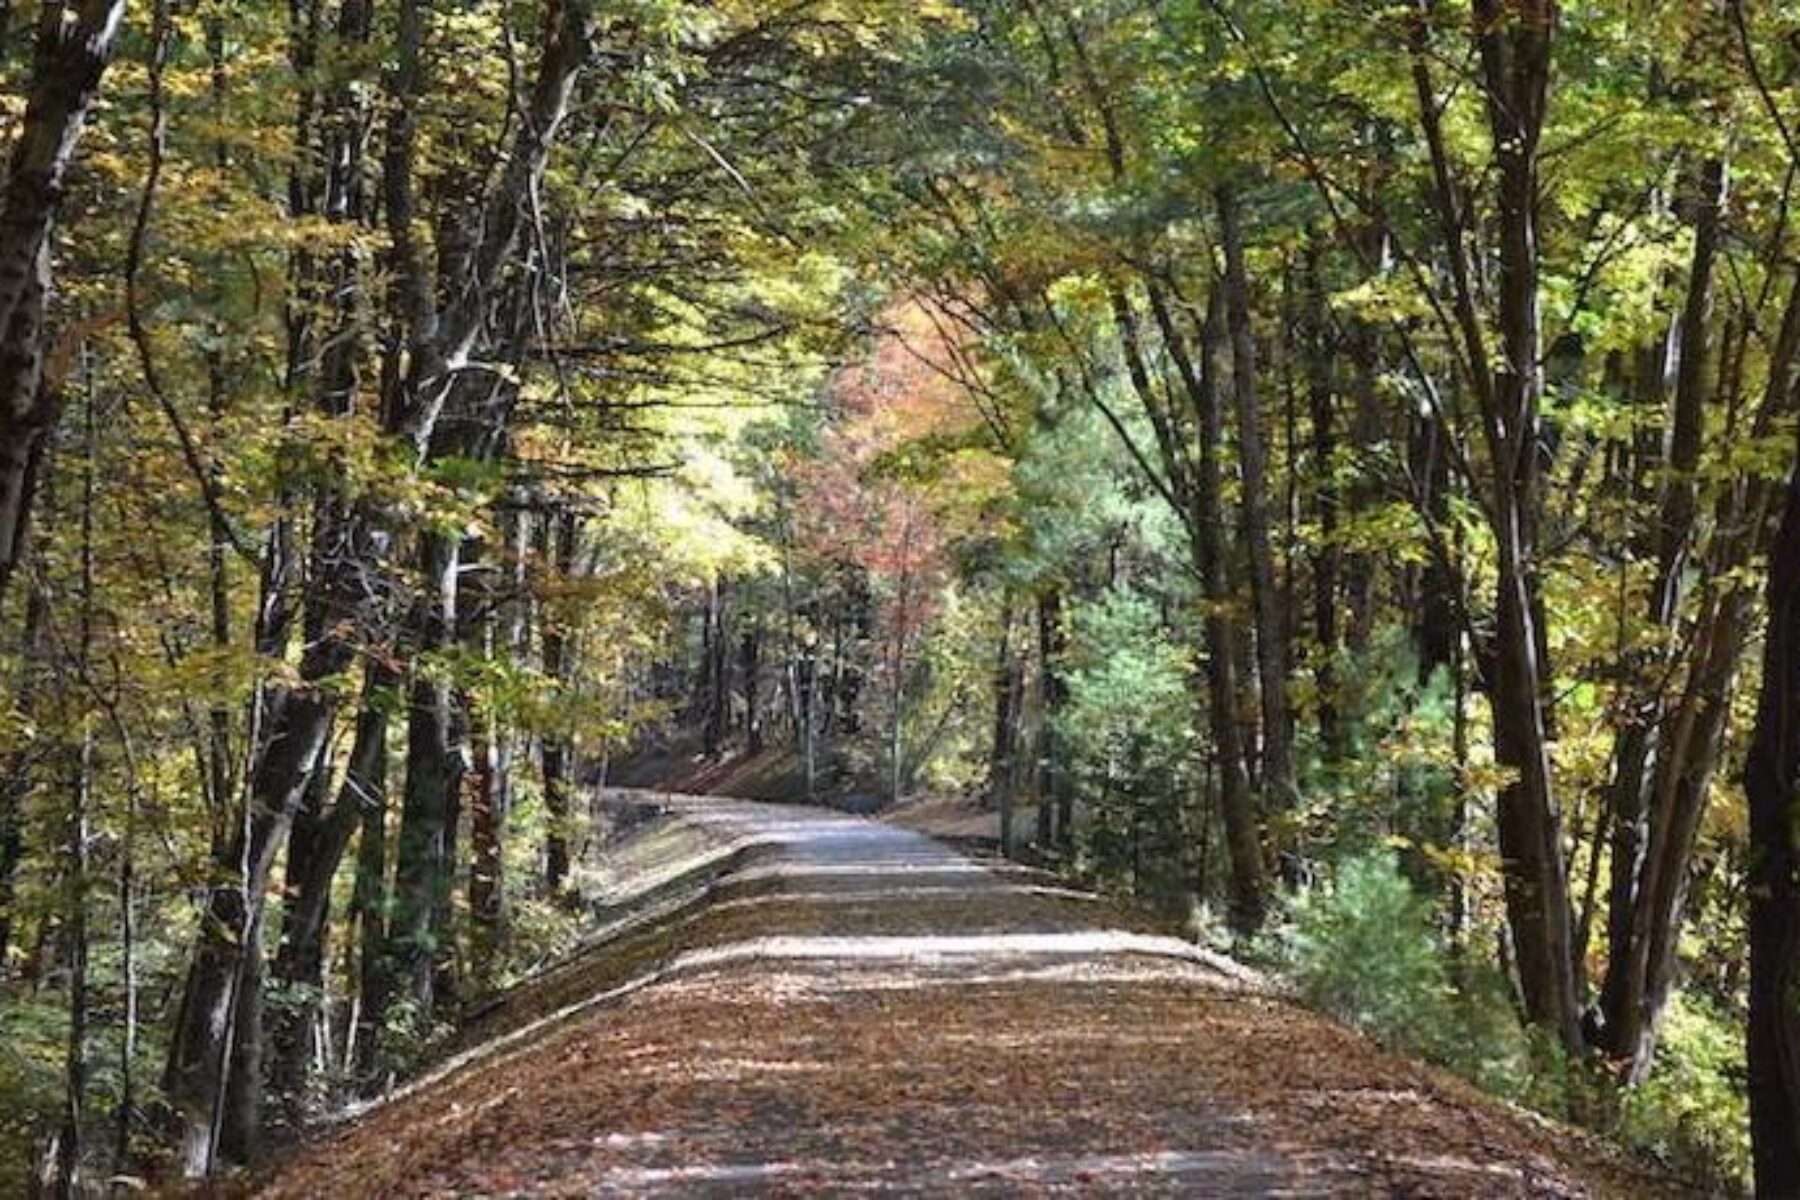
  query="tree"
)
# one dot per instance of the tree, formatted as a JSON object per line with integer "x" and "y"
{"x": 1771, "y": 779}
{"x": 74, "y": 45}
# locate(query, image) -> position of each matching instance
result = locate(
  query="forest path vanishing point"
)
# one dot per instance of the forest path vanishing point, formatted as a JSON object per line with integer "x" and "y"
{"x": 792, "y": 1001}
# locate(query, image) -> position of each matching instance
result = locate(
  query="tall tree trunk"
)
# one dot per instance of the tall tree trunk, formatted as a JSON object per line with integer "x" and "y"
{"x": 1514, "y": 37}
{"x": 443, "y": 332}
{"x": 1688, "y": 755}
{"x": 1237, "y": 804}
{"x": 1430, "y": 820}
{"x": 80, "y": 782}
{"x": 127, "y": 1110}
{"x": 897, "y": 665}
{"x": 15, "y": 786}
{"x": 556, "y": 550}
{"x": 69, "y": 1140}
{"x": 1044, "y": 771}
{"x": 1771, "y": 786}
{"x": 805, "y": 677}
{"x": 368, "y": 898}
{"x": 230, "y": 925}
{"x": 424, "y": 870}
{"x": 299, "y": 953}
{"x": 750, "y": 666}
{"x": 75, "y": 1064}
{"x": 294, "y": 723}
{"x": 1000, "y": 753}
{"x": 853, "y": 627}
{"x": 13, "y": 789}
{"x": 1054, "y": 796}
{"x": 240, "y": 1113}
{"x": 1641, "y": 708}
{"x": 714, "y": 694}
{"x": 485, "y": 790}
{"x": 1278, "y": 777}
{"x": 1364, "y": 351}
{"x": 1691, "y": 736}
{"x": 1327, "y": 558}
{"x": 1644, "y": 882}
{"x": 1437, "y": 632}
{"x": 75, "y": 43}
{"x": 316, "y": 848}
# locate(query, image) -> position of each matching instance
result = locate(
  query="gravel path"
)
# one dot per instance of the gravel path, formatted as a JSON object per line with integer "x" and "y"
{"x": 819, "y": 1004}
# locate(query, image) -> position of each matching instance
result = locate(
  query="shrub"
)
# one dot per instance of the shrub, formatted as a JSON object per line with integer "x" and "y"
{"x": 1128, "y": 730}
{"x": 1692, "y": 1111}
{"x": 1362, "y": 947}
{"x": 31, "y": 1047}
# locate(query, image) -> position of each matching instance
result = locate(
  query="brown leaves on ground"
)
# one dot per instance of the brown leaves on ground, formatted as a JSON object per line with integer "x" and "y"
{"x": 1015, "y": 1073}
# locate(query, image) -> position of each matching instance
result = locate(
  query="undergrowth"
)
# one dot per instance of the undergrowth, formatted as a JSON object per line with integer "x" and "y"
{"x": 1364, "y": 946}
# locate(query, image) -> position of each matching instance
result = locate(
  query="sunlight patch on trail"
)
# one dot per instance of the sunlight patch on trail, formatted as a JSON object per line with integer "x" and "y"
{"x": 1234, "y": 1168}
{"x": 838, "y": 980}
{"x": 887, "y": 894}
{"x": 866, "y": 868}
{"x": 725, "y": 1070}
{"x": 928, "y": 948}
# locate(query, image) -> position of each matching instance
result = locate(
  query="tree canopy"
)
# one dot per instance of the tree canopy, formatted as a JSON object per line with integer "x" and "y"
{"x": 1323, "y": 470}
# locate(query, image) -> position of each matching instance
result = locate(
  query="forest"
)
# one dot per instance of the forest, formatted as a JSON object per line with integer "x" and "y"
{"x": 1322, "y": 471}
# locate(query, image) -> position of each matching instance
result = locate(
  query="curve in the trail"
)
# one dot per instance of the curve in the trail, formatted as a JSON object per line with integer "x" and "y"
{"x": 794, "y": 1001}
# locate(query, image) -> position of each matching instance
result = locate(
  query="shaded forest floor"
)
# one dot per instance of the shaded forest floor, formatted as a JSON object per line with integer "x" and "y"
{"x": 793, "y": 1001}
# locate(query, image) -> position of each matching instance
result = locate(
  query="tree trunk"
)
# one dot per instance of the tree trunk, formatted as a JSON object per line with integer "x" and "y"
{"x": 1054, "y": 799}
{"x": 1278, "y": 777}
{"x": 1529, "y": 825}
{"x": 75, "y": 932}
{"x": 485, "y": 789}
{"x": 16, "y": 784}
{"x": 1043, "y": 773}
{"x": 126, "y": 1114}
{"x": 80, "y": 782}
{"x": 316, "y": 848}
{"x": 714, "y": 697}
{"x": 1237, "y": 805}
{"x": 750, "y": 665}
{"x": 1322, "y": 407}
{"x": 557, "y": 793}
{"x": 1771, "y": 781}
{"x": 13, "y": 790}
{"x": 805, "y": 668}
{"x": 556, "y": 549}
{"x": 240, "y": 1115}
{"x": 1000, "y": 754}
{"x": 1361, "y": 569}
{"x": 368, "y": 899}
{"x": 425, "y": 868}
{"x": 897, "y": 665}
{"x": 1644, "y": 889}
{"x": 1689, "y": 753}
{"x": 1514, "y": 43}
{"x": 299, "y": 720}
{"x": 74, "y": 45}
{"x": 444, "y": 328}
{"x": 1429, "y": 819}
{"x": 299, "y": 954}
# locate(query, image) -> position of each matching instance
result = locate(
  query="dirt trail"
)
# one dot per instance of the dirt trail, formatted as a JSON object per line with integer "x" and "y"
{"x": 823, "y": 1004}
